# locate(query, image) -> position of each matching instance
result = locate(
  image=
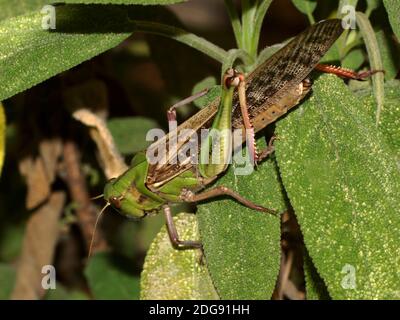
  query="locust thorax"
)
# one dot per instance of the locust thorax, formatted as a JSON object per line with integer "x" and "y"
{"x": 120, "y": 198}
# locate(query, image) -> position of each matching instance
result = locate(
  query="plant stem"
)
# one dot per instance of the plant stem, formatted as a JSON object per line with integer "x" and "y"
{"x": 183, "y": 36}
{"x": 310, "y": 18}
{"x": 235, "y": 21}
{"x": 233, "y": 55}
{"x": 375, "y": 61}
{"x": 249, "y": 10}
{"x": 259, "y": 18}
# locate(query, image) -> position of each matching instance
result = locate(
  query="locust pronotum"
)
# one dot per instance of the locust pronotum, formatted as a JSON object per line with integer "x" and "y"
{"x": 272, "y": 89}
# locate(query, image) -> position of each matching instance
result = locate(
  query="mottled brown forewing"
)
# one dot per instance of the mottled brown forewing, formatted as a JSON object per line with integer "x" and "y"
{"x": 266, "y": 85}
{"x": 287, "y": 67}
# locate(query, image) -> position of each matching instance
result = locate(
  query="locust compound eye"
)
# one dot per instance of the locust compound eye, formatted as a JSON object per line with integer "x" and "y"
{"x": 115, "y": 202}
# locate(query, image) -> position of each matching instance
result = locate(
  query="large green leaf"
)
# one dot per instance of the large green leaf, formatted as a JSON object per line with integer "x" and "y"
{"x": 315, "y": 286}
{"x": 242, "y": 246}
{"x": 343, "y": 182}
{"x": 29, "y": 54}
{"x": 110, "y": 277}
{"x": 354, "y": 59}
{"x": 141, "y": 2}
{"x": 393, "y": 9}
{"x": 12, "y": 8}
{"x": 174, "y": 274}
{"x": 390, "y": 120}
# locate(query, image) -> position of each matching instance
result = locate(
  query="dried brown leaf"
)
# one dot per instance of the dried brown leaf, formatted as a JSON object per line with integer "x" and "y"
{"x": 111, "y": 160}
{"x": 40, "y": 240}
{"x": 50, "y": 151}
{"x": 37, "y": 181}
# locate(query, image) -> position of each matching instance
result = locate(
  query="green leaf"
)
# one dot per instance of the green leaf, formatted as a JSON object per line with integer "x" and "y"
{"x": 307, "y": 7}
{"x": 109, "y": 277}
{"x": 7, "y": 280}
{"x": 242, "y": 246}
{"x": 354, "y": 59}
{"x": 12, "y": 8}
{"x": 390, "y": 119}
{"x": 214, "y": 91}
{"x": 333, "y": 53}
{"x": 389, "y": 53}
{"x": 393, "y": 9}
{"x": 315, "y": 286}
{"x": 171, "y": 274}
{"x": 2, "y": 135}
{"x": 130, "y": 133}
{"x": 343, "y": 182}
{"x": 141, "y": 2}
{"x": 30, "y": 55}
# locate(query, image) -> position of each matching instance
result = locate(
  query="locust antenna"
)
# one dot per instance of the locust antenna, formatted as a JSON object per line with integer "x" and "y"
{"x": 95, "y": 228}
{"x": 97, "y": 197}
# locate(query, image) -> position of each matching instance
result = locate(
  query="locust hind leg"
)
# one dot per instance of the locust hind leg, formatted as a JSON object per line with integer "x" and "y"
{"x": 190, "y": 196}
{"x": 173, "y": 233}
{"x": 346, "y": 73}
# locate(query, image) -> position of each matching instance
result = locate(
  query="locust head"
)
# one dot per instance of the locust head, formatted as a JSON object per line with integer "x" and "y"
{"x": 123, "y": 199}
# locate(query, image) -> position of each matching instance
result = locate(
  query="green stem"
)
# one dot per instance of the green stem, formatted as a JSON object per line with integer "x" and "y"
{"x": 183, "y": 36}
{"x": 375, "y": 61}
{"x": 310, "y": 18}
{"x": 259, "y": 18}
{"x": 249, "y": 10}
{"x": 232, "y": 56}
{"x": 235, "y": 20}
